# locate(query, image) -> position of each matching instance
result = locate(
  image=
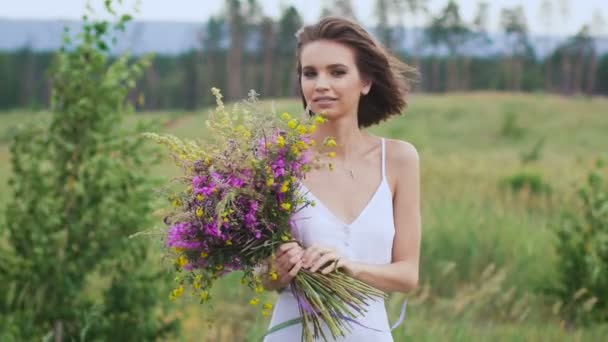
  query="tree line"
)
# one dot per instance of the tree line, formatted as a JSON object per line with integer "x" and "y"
{"x": 260, "y": 56}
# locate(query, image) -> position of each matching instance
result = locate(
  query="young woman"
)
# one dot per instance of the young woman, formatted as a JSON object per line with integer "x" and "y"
{"x": 367, "y": 213}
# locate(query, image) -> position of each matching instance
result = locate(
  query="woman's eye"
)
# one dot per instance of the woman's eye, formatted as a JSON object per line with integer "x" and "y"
{"x": 308, "y": 74}
{"x": 338, "y": 72}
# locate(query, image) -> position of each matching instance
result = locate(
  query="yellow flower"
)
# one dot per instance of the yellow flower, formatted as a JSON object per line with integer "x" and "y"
{"x": 265, "y": 313}
{"x": 285, "y": 237}
{"x": 177, "y": 202}
{"x": 285, "y": 116}
{"x": 270, "y": 182}
{"x": 292, "y": 179}
{"x": 285, "y": 186}
{"x": 319, "y": 119}
{"x": 302, "y": 145}
{"x": 332, "y": 154}
{"x": 254, "y": 301}
{"x": 176, "y": 293}
{"x": 178, "y": 249}
{"x": 259, "y": 289}
{"x": 302, "y": 129}
{"x": 200, "y": 212}
{"x": 286, "y": 206}
{"x": 197, "y": 285}
{"x": 295, "y": 151}
{"x": 204, "y": 295}
{"x": 200, "y": 197}
{"x": 330, "y": 142}
{"x": 268, "y": 306}
{"x": 189, "y": 189}
{"x": 219, "y": 267}
{"x": 229, "y": 243}
{"x": 182, "y": 261}
{"x": 312, "y": 128}
{"x": 292, "y": 123}
{"x": 274, "y": 275}
{"x": 204, "y": 255}
{"x": 280, "y": 141}
{"x": 226, "y": 220}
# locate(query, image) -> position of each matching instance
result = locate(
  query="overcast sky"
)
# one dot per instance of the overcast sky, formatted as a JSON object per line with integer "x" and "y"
{"x": 579, "y": 12}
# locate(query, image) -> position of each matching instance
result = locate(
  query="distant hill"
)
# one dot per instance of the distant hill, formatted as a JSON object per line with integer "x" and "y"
{"x": 177, "y": 37}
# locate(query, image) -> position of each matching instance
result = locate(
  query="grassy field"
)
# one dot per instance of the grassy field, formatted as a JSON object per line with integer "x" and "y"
{"x": 487, "y": 252}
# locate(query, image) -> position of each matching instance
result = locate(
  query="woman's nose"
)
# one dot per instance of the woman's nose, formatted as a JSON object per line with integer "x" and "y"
{"x": 321, "y": 83}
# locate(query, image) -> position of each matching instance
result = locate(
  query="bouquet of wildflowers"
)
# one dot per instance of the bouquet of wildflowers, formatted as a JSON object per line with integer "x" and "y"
{"x": 239, "y": 191}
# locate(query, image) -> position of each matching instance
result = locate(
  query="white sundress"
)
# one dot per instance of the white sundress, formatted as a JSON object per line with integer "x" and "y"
{"x": 368, "y": 239}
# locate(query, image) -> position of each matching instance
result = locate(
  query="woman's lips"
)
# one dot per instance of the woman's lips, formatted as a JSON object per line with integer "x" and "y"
{"x": 324, "y": 102}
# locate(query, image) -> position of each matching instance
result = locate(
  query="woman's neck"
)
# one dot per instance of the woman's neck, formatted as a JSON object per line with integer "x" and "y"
{"x": 347, "y": 134}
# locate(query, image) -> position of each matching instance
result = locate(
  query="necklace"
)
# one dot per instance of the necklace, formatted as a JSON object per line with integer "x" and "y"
{"x": 350, "y": 171}
{"x": 352, "y": 174}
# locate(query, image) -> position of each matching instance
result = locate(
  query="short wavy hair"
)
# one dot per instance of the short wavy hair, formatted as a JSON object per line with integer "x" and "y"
{"x": 391, "y": 78}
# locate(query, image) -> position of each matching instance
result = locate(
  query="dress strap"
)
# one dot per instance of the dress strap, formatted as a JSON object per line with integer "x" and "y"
{"x": 383, "y": 158}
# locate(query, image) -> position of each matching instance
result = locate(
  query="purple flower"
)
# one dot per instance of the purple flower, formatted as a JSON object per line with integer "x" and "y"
{"x": 198, "y": 182}
{"x": 236, "y": 182}
{"x": 183, "y": 235}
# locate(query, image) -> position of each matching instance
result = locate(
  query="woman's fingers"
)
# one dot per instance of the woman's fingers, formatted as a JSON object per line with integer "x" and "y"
{"x": 286, "y": 247}
{"x": 322, "y": 261}
{"x": 333, "y": 266}
{"x": 288, "y": 276}
{"x": 313, "y": 253}
{"x": 296, "y": 268}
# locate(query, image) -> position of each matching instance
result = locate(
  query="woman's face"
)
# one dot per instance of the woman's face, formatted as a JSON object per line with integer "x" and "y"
{"x": 331, "y": 82}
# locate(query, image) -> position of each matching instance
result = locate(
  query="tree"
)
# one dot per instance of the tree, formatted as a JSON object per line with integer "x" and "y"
{"x": 289, "y": 23}
{"x": 340, "y": 8}
{"x": 391, "y": 14}
{"x": 513, "y": 22}
{"x": 80, "y": 187}
{"x": 546, "y": 17}
{"x": 577, "y": 51}
{"x": 268, "y": 47}
{"x": 479, "y": 36}
{"x": 596, "y": 29}
{"x": 385, "y": 32}
{"x": 449, "y": 30}
{"x": 235, "y": 52}
{"x": 211, "y": 51}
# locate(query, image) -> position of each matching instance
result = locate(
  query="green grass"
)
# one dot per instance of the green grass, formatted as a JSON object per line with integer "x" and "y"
{"x": 486, "y": 253}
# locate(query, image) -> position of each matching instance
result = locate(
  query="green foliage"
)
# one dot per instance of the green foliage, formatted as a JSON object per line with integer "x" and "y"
{"x": 582, "y": 246}
{"x": 534, "y": 154}
{"x": 510, "y": 127}
{"x": 529, "y": 181}
{"x": 80, "y": 187}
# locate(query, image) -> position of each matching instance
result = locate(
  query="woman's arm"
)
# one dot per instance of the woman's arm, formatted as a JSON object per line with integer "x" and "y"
{"x": 402, "y": 274}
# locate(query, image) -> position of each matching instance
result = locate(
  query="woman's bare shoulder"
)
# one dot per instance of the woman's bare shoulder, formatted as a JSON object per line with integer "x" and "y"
{"x": 401, "y": 152}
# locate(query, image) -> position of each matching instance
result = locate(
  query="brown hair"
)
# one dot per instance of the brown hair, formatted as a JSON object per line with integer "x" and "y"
{"x": 390, "y": 77}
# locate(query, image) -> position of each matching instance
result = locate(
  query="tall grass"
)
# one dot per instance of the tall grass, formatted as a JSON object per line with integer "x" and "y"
{"x": 487, "y": 251}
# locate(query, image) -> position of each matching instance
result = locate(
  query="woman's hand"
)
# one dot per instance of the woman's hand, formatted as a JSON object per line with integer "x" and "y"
{"x": 315, "y": 258}
{"x": 287, "y": 264}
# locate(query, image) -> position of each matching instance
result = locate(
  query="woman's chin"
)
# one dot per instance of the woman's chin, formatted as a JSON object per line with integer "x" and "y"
{"x": 326, "y": 112}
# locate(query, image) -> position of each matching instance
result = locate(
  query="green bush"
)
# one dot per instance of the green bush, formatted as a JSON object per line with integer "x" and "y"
{"x": 527, "y": 181}
{"x": 582, "y": 247}
{"x": 80, "y": 187}
{"x": 510, "y": 127}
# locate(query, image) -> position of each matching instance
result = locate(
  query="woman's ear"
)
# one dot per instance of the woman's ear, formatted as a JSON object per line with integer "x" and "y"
{"x": 366, "y": 88}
